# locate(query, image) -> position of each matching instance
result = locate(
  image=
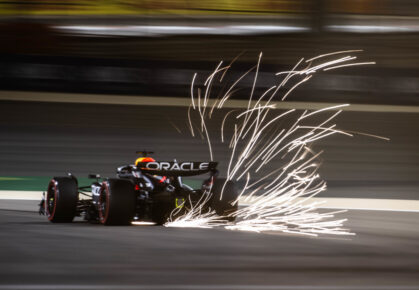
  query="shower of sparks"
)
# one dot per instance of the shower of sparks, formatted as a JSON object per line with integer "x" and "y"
{"x": 258, "y": 140}
{"x": 197, "y": 220}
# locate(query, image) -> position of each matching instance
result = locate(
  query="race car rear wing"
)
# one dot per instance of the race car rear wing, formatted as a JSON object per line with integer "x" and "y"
{"x": 176, "y": 168}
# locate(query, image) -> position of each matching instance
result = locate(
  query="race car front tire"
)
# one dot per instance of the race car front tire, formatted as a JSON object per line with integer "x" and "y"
{"x": 61, "y": 199}
{"x": 117, "y": 202}
{"x": 222, "y": 200}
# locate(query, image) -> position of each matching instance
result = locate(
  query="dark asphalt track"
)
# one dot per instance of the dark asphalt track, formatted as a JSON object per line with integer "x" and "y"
{"x": 36, "y": 254}
{"x": 46, "y": 139}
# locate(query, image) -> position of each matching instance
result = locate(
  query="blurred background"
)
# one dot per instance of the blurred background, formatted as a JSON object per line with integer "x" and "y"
{"x": 152, "y": 48}
{"x": 69, "y": 70}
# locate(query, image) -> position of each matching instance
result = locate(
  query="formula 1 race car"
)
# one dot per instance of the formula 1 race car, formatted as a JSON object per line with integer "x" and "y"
{"x": 145, "y": 191}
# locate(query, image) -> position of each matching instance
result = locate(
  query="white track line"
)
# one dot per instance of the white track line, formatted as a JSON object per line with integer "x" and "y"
{"x": 330, "y": 202}
{"x": 181, "y": 102}
{"x": 362, "y": 203}
{"x": 20, "y": 195}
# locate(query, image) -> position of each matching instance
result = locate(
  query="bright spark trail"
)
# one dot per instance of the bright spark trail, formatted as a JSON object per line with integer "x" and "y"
{"x": 280, "y": 200}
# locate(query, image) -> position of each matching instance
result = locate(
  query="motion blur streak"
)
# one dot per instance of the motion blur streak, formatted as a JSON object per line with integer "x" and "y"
{"x": 372, "y": 28}
{"x": 257, "y": 138}
{"x": 162, "y": 30}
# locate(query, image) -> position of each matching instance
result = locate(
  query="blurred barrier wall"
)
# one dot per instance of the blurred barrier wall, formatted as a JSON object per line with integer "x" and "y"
{"x": 366, "y": 85}
{"x": 156, "y": 7}
{"x": 154, "y": 47}
{"x": 214, "y": 7}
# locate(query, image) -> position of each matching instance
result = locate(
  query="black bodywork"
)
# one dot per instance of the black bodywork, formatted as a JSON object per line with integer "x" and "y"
{"x": 157, "y": 187}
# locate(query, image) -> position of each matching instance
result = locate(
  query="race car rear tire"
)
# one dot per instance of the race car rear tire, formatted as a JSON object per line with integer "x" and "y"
{"x": 117, "y": 202}
{"x": 61, "y": 199}
{"x": 161, "y": 212}
{"x": 224, "y": 206}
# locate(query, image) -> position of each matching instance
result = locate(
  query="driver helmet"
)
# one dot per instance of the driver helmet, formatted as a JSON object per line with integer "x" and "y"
{"x": 144, "y": 159}
{"x": 161, "y": 179}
